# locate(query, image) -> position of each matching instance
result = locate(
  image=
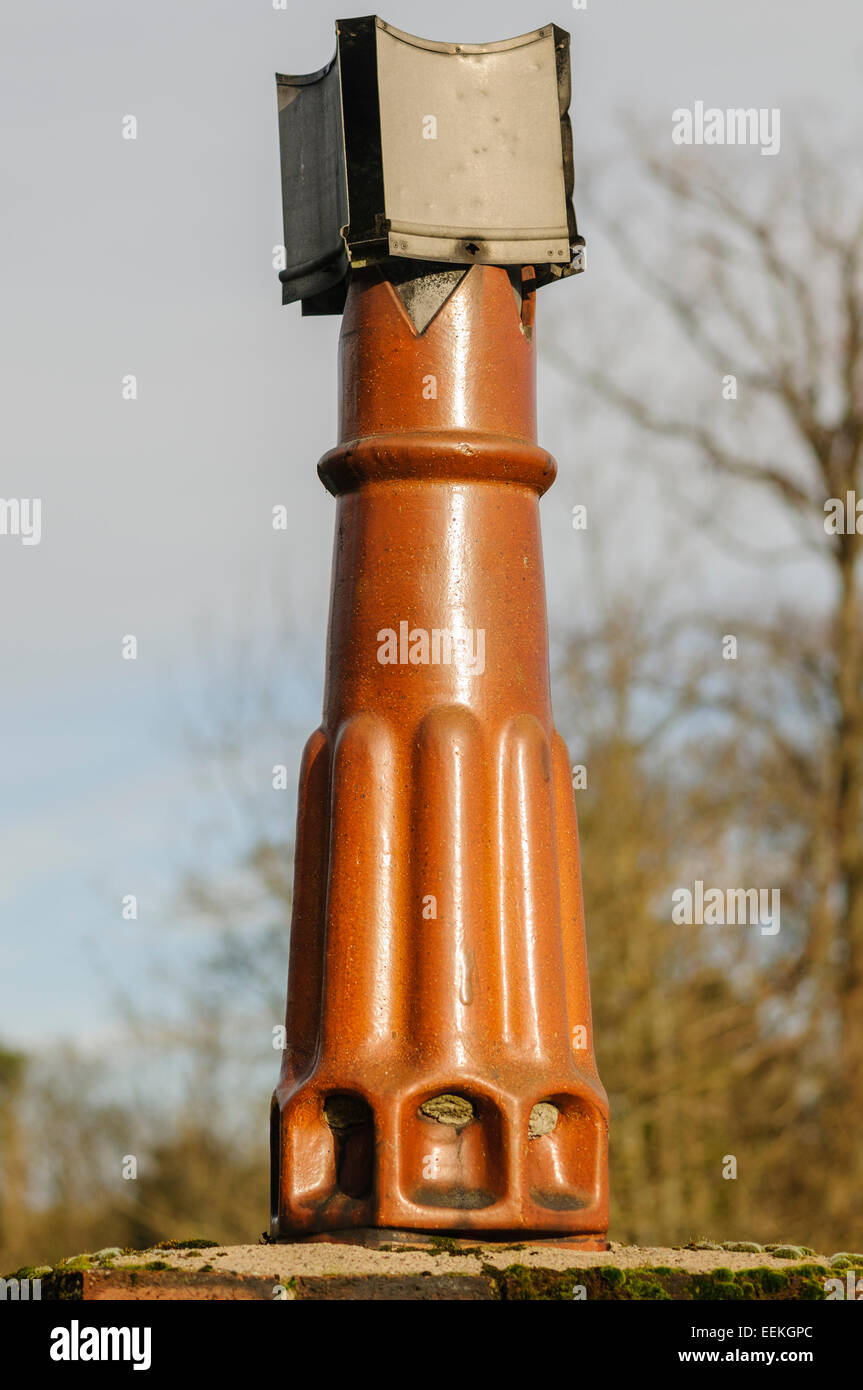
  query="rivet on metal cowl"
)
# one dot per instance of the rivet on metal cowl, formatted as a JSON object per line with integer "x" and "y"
{"x": 439, "y": 1072}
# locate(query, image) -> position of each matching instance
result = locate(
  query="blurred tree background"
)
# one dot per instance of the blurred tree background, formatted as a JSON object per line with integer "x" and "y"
{"x": 711, "y": 1041}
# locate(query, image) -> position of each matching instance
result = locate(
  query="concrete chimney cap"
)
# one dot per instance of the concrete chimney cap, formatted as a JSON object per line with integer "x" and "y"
{"x": 406, "y": 148}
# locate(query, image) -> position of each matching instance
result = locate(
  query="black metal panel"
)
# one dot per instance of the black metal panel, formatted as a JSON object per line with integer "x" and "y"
{"x": 314, "y": 201}
{"x": 361, "y": 119}
{"x": 564, "y": 91}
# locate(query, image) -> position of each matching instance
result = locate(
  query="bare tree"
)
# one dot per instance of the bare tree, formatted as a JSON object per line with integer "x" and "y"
{"x": 769, "y": 291}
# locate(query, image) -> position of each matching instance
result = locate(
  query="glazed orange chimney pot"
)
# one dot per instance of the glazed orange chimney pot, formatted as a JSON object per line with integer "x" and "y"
{"x": 439, "y": 1071}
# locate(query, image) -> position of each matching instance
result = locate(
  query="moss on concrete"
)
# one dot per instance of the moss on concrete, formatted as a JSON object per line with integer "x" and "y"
{"x": 845, "y": 1259}
{"x": 29, "y": 1272}
{"x": 443, "y": 1245}
{"x": 74, "y": 1264}
{"x": 518, "y": 1282}
{"x": 196, "y": 1244}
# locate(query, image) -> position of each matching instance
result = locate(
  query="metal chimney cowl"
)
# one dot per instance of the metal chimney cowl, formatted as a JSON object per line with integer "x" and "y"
{"x": 401, "y": 147}
{"x": 439, "y": 1072}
